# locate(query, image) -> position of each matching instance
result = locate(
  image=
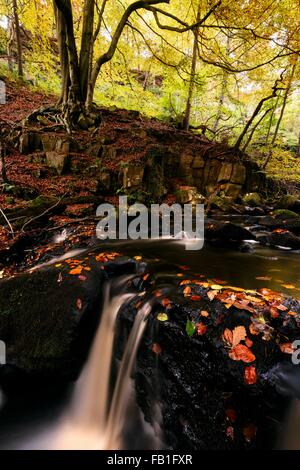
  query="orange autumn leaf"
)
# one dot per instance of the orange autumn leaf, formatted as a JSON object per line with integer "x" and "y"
{"x": 76, "y": 270}
{"x": 248, "y": 342}
{"x": 288, "y": 286}
{"x": 146, "y": 277}
{"x": 166, "y": 302}
{"x": 234, "y": 337}
{"x": 204, "y": 313}
{"x": 201, "y": 328}
{"x": 253, "y": 330}
{"x": 292, "y": 313}
{"x": 156, "y": 348}
{"x": 286, "y": 348}
{"x": 212, "y": 294}
{"x": 184, "y": 282}
{"x": 187, "y": 291}
{"x": 250, "y": 375}
{"x": 241, "y": 353}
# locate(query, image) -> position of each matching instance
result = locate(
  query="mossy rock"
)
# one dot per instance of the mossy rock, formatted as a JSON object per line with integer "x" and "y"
{"x": 252, "y": 199}
{"x": 285, "y": 214}
{"x": 289, "y": 202}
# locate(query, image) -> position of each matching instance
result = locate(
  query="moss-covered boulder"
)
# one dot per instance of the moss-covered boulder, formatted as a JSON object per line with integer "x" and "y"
{"x": 49, "y": 317}
{"x": 285, "y": 214}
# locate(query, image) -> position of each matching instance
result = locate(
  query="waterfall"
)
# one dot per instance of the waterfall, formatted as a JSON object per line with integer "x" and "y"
{"x": 93, "y": 421}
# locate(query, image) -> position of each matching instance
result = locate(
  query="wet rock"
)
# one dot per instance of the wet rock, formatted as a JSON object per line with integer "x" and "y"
{"x": 232, "y": 190}
{"x": 49, "y": 317}
{"x": 209, "y": 400}
{"x": 293, "y": 225}
{"x": 289, "y": 202}
{"x": 225, "y": 173}
{"x": 238, "y": 175}
{"x": 252, "y": 199}
{"x": 186, "y": 194}
{"x": 226, "y": 231}
{"x": 284, "y": 214}
{"x": 284, "y": 239}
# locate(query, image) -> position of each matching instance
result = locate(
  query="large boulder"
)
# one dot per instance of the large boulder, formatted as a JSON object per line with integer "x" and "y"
{"x": 289, "y": 202}
{"x": 212, "y": 393}
{"x": 252, "y": 199}
{"x": 49, "y": 317}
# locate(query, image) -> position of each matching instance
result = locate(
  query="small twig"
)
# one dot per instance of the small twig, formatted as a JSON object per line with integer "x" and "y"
{"x": 43, "y": 213}
{"x": 8, "y": 222}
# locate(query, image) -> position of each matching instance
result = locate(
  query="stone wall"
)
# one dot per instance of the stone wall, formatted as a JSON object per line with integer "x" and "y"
{"x": 166, "y": 162}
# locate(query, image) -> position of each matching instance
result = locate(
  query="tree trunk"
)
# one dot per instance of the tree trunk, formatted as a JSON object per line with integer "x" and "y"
{"x": 254, "y": 129}
{"x": 63, "y": 55}
{"x": 188, "y": 109}
{"x": 10, "y": 29}
{"x": 18, "y": 38}
{"x": 223, "y": 91}
{"x": 74, "y": 104}
{"x": 86, "y": 46}
{"x": 285, "y": 98}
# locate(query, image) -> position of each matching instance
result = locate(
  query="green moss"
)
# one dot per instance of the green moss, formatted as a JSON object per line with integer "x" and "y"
{"x": 285, "y": 214}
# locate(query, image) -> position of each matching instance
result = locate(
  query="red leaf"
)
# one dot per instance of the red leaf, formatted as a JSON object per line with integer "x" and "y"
{"x": 201, "y": 328}
{"x": 250, "y": 375}
{"x": 249, "y": 432}
{"x": 156, "y": 348}
{"x": 241, "y": 353}
{"x": 231, "y": 414}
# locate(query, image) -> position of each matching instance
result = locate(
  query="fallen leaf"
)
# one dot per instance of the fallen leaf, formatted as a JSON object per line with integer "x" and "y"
{"x": 156, "y": 348}
{"x": 166, "y": 302}
{"x": 190, "y": 327}
{"x": 231, "y": 414}
{"x": 196, "y": 297}
{"x": 263, "y": 278}
{"x": 230, "y": 432}
{"x": 250, "y": 375}
{"x": 201, "y": 328}
{"x": 253, "y": 330}
{"x": 137, "y": 258}
{"x": 249, "y": 432}
{"x": 287, "y": 348}
{"x": 234, "y": 337}
{"x": 212, "y": 294}
{"x": 288, "y": 286}
{"x": 241, "y": 353}
{"x": 248, "y": 342}
{"x": 204, "y": 313}
{"x": 146, "y": 277}
{"x": 76, "y": 270}
{"x": 79, "y": 304}
{"x": 162, "y": 317}
{"x": 187, "y": 291}
{"x": 82, "y": 277}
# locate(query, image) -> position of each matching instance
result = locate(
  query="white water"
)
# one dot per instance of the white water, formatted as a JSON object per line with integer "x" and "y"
{"x": 93, "y": 420}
